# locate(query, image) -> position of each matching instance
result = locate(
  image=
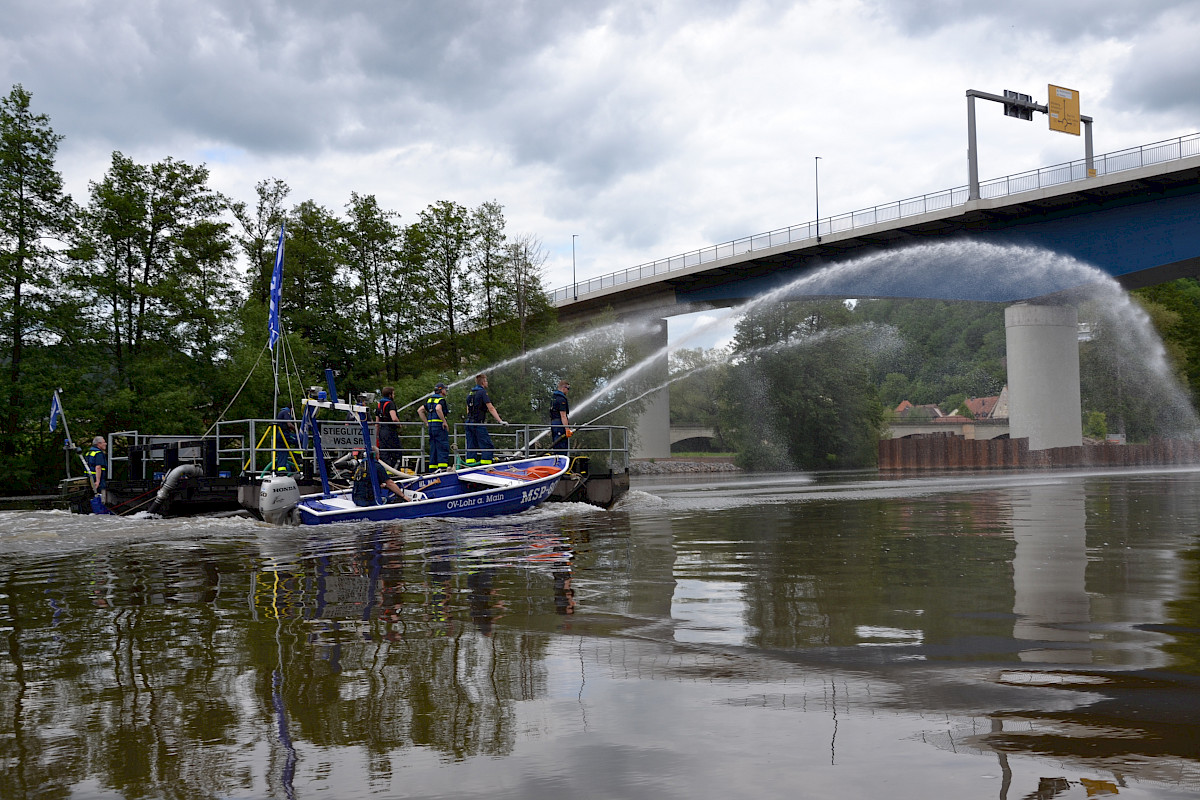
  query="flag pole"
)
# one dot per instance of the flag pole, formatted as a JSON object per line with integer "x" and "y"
{"x": 57, "y": 410}
{"x": 274, "y": 328}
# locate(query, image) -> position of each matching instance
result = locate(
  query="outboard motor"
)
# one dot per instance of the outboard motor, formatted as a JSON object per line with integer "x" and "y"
{"x": 278, "y": 496}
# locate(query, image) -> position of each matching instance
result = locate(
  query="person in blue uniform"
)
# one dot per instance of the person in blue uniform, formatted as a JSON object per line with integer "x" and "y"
{"x": 559, "y": 422}
{"x": 479, "y": 405}
{"x": 361, "y": 492}
{"x": 387, "y": 423}
{"x": 435, "y": 414}
{"x": 97, "y": 463}
{"x": 288, "y": 427}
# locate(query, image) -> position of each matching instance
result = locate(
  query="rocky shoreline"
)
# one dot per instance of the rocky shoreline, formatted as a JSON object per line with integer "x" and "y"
{"x": 672, "y": 467}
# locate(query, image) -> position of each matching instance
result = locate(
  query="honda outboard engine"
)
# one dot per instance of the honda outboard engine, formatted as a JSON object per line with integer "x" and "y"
{"x": 278, "y": 496}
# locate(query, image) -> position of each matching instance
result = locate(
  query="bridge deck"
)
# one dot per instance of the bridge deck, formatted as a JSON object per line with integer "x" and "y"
{"x": 1146, "y": 195}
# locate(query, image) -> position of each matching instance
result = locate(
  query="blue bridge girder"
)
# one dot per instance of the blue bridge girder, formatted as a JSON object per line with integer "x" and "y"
{"x": 1140, "y": 225}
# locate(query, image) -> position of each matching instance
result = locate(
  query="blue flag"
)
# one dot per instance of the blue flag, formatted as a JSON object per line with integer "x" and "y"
{"x": 276, "y": 290}
{"x": 55, "y": 410}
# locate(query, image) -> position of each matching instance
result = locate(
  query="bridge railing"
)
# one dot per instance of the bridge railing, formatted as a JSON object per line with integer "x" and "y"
{"x": 1043, "y": 177}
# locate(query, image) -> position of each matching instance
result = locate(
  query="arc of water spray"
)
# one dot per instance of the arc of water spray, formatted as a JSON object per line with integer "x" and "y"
{"x": 721, "y": 318}
{"x": 585, "y": 336}
{"x": 809, "y": 340}
{"x": 885, "y": 274}
{"x": 956, "y": 268}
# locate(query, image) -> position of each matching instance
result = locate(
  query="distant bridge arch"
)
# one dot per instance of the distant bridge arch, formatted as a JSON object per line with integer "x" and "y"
{"x": 683, "y": 433}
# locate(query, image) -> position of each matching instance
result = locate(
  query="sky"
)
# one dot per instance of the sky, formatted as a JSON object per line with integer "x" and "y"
{"x": 617, "y": 131}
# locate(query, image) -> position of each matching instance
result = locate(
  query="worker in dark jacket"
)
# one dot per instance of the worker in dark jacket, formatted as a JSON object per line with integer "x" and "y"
{"x": 559, "y": 422}
{"x": 387, "y": 431}
{"x": 479, "y": 405}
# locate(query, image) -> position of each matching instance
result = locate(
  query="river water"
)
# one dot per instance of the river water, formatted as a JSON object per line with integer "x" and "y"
{"x": 1002, "y": 635}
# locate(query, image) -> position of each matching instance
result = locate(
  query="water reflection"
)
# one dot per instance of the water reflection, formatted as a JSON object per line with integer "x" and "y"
{"x": 1049, "y": 566}
{"x": 1005, "y": 638}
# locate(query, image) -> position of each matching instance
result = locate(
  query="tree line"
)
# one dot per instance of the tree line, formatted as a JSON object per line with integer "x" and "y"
{"x": 147, "y": 300}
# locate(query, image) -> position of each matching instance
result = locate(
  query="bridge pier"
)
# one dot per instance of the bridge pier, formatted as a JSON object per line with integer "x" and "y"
{"x": 1043, "y": 375}
{"x": 652, "y": 431}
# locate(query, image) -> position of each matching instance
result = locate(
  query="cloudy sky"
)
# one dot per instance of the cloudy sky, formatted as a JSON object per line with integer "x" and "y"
{"x": 644, "y": 128}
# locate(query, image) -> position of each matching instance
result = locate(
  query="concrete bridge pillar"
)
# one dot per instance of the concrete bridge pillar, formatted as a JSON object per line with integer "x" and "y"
{"x": 652, "y": 431}
{"x": 1043, "y": 375}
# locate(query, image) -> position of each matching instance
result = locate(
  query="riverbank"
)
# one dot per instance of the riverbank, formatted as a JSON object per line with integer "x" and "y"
{"x": 682, "y": 466}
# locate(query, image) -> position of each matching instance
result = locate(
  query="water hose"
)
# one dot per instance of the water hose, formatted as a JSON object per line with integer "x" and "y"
{"x": 171, "y": 482}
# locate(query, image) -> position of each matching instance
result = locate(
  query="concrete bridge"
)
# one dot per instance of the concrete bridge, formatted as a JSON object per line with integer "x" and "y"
{"x": 681, "y": 433}
{"x": 1137, "y": 218}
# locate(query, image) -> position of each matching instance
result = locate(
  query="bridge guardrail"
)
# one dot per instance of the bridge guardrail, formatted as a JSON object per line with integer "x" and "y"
{"x": 1043, "y": 177}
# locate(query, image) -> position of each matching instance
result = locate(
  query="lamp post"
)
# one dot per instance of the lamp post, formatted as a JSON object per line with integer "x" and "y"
{"x": 817, "y": 190}
{"x": 574, "y": 283}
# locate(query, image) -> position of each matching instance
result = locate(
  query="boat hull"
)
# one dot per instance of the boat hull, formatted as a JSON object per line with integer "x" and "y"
{"x": 496, "y": 490}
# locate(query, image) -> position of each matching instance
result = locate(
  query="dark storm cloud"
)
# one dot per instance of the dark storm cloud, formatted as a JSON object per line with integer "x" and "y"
{"x": 302, "y": 77}
{"x": 259, "y": 76}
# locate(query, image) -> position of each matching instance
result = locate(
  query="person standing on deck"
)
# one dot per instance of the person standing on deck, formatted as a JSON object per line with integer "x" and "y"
{"x": 479, "y": 405}
{"x": 386, "y": 427}
{"x": 288, "y": 426}
{"x": 559, "y": 410}
{"x": 434, "y": 413}
{"x": 97, "y": 463}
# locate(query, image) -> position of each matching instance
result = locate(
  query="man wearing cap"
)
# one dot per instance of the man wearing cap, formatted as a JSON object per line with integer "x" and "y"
{"x": 434, "y": 414}
{"x": 559, "y": 409}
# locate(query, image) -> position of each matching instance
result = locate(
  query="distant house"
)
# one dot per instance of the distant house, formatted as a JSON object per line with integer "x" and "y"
{"x": 908, "y": 412}
{"x": 988, "y": 420}
{"x": 989, "y": 407}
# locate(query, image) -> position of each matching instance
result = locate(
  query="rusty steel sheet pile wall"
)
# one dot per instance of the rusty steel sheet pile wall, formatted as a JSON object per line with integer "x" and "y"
{"x": 953, "y": 452}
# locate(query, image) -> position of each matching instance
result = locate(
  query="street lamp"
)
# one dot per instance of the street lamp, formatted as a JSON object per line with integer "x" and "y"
{"x": 574, "y": 283}
{"x": 817, "y": 189}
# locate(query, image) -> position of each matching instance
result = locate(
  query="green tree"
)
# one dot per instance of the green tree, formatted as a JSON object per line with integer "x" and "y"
{"x": 33, "y": 214}
{"x": 258, "y": 235}
{"x": 525, "y": 262}
{"x": 945, "y": 348}
{"x": 800, "y": 392}
{"x": 445, "y": 233}
{"x": 895, "y": 389}
{"x": 153, "y": 263}
{"x": 1181, "y": 331}
{"x": 695, "y": 373}
{"x": 373, "y": 242}
{"x": 1095, "y": 425}
{"x": 1140, "y": 394}
{"x": 319, "y": 300}
{"x": 487, "y": 267}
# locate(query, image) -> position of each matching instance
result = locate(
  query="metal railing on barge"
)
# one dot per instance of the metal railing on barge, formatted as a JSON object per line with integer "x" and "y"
{"x": 253, "y": 448}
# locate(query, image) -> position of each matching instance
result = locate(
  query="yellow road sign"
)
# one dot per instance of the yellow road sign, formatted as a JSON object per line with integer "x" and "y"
{"x": 1064, "y": 109}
